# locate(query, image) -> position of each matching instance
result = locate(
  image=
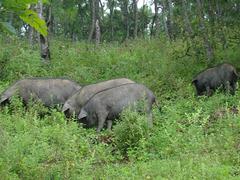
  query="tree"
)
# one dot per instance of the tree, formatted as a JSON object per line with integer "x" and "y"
{"x": 111, "y": 4}
{"x": 95, "y": 20}
{"x": 135, "y": 12}
{"x": 204, "y": 31}
{"x": 124, "y": 8}
{"x": 187, "y": 25}
{"x": 156, "y": 19}
{"x": 43, "y": 40}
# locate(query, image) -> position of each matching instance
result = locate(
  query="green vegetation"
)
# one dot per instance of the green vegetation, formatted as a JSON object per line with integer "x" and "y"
{"x": 191, "y": 138}
{"x": 22, "y": 10}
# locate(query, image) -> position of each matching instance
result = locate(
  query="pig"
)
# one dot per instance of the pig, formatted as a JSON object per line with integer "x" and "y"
{"x": 49, "y": 91}
{"x": 107, "y": 105}
{"x": 73, "y": 105}
{"x": 223, "y": 75}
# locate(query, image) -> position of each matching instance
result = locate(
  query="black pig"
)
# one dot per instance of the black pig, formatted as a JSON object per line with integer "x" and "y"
{"x": 50, "y": 91}
{"x": 223, "y": 75}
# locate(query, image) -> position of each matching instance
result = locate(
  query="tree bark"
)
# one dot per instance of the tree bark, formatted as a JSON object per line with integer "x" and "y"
{"x": 111, "y": 8}
{"x": 207, "y": 44}
{"x": 135, "y": 19}
{"x": 221, "y": 24}
{"x": 188, "y": 27}
{"x": 170, "y": 19}
{"x": 98, "y": 33}
{"x": 126, "y": 18}
{"x": 31, "y": 36}
{"x": 93, "y": 20}
{"x": 156, "y": 18}
{"x": 44, "y": 43}
{"x": 164, "y": 16}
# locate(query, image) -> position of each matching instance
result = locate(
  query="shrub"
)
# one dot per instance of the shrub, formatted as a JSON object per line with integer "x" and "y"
{"x": 131, "y": 134}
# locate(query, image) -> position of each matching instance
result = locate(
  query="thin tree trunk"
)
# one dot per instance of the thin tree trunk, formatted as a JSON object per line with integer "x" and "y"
{"x": 144, "y": 23}
{"x": 98, "y": 32}
{"x": 44, "y": 44}
{"x": 164, "y": 15}
{"x": 49, "y": 20}
{"x": 10, "y": 18}
{"x": 135, "y": 19}
{"x": 207, "y": 44}
{"x": 156, "y": 18}
{"x": 170, "y": 19}
{"x": 31, "y": 36}
{"x": 93, "y": 21}
{"x": 152, "y": 30}
{"x": 221, "y": 24}
{"x": 126, "y": 19}
{"x": 188, "y": 27}
{"x": 111, "y": 4}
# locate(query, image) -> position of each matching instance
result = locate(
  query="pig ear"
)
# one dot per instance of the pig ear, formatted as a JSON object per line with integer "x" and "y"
{"x": 3, "y": 100}
{"x": 82, "y": 114}
{"x": 65, "y": 107}
{"x": 194, "y": 81}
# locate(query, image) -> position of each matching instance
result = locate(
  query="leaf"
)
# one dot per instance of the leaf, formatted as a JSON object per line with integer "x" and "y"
{"x": 8, "y": 27}
{"x": 15, "y": 5}
{"x": 35, "y": 21}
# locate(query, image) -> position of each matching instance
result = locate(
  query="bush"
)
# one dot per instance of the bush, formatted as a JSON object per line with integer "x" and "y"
{"x": 131, "y": 134}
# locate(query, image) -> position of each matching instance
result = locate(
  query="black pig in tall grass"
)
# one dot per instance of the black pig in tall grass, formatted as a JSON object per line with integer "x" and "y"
{"x": 50, "y": 91}
{"x": 73, "y": 105}
{"x": 106, "y": 105}
{"x": 223, "y": 75}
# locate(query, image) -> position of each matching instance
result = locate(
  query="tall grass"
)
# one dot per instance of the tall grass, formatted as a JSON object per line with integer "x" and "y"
{"x": 191, "y": 138}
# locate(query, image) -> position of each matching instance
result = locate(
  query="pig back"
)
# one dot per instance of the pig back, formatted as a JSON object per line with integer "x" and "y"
{"x": 116, "y": 98}
{"x": 49, "y": 91}
{"x": 89, "y": 91}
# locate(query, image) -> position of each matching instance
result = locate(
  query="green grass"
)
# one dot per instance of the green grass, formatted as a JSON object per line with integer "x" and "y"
{"x": 192, "y": 138}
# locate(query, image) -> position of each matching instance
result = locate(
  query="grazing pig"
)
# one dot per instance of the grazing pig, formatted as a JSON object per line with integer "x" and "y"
{"x": 50, "y": 91}
{"x": 108, "y": 104}
{"x": 73, "y": 105}
{"x": 209, "y": 80}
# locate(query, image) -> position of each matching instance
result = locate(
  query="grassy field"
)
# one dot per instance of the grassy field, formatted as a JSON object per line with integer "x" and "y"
{"x": 192, "y": 138}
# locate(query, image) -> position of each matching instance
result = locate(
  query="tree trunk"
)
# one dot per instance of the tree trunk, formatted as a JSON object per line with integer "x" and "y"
{"x": 31, "y": 36}
{"x": 135, "y": 19}
{"x": 32, "y": 39}
{"x": 164, "y": 15}
{"x": 49, "y": 20}
{"x": 170, "y": 19}
{"x": 221, "y": 25}
{"x": 98, "y": 32}
{"x": 126, "y": 19}
{"x": 143, "y": 25}
{"x": 207, "y": 44}
{"x": 44, "y": 43}
{"x": 156, "y": 19}
{"x": 93, "y": 20}
{"x": 188, "y": 27}
{"x": 111, "y": 8}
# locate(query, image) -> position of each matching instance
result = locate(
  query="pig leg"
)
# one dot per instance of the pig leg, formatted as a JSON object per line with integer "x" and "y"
{"x": 150, "y": 121}
{"x": 233, "y": 87}
{"x": 109, "y": 124}
{"x": 227, "y": 87}
{"x": 208, "y": 91}
{"x": 102, "y": 116}
{"x": 149, "y": 112}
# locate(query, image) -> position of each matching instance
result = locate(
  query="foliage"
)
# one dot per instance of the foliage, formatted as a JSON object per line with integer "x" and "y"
{"x": 21, "y": 8}
{"x": 130, "y": 134}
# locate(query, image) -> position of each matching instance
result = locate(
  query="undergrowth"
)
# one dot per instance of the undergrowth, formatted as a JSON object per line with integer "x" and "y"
{"x": 192, "y": 137}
